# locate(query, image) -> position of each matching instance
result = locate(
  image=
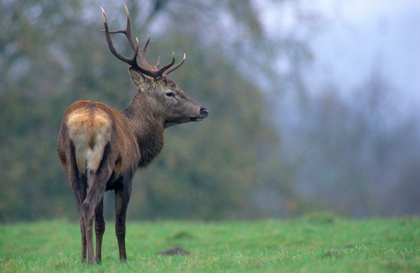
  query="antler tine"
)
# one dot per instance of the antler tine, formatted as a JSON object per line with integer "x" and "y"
{"x": 133, "y": 61}
{"x": 143, "y": 60}
{"x": 170, "y": 69}
{"x": 158, "y": 62}
{"x": 167, "y": 66}
{"x": 111, "y": 45}
{"x": 145, "y": 67}
{"x": 127, "y": 30}
{"x": 142, "y": 54}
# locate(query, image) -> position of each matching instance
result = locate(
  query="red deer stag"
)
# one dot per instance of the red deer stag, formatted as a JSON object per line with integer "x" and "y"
{"x": 100, "y": 148}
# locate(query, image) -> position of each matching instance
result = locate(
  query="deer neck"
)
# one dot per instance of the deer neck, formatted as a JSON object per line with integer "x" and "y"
{"x": 147, "y": 128}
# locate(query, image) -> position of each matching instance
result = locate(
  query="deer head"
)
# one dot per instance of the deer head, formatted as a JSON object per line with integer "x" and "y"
{"x": 169, "y": 103}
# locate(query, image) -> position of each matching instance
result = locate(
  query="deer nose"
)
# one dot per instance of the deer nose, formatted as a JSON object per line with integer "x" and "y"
{"x": 204, "y": 112}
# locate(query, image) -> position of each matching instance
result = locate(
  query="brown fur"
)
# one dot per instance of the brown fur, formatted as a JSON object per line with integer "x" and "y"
{"x": 83, "y": 122}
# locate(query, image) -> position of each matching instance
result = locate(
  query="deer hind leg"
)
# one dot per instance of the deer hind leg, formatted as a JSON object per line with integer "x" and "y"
{"x": 99, "y": 229}
{"x": 80, "y": 194}
{"x": 94, "y": 196}
{"x": 78, "y": 186}
{"x": 97, "y": 184}
{"x": 83, "y": 232}
{"x": 122, "y": 197}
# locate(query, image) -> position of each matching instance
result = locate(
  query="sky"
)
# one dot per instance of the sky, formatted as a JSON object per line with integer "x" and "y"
{"x": 351, "y": 39}
{"x": 363, "y": 35}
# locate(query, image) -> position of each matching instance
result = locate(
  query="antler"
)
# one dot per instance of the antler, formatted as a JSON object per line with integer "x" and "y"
{"x": 145, "y": 67}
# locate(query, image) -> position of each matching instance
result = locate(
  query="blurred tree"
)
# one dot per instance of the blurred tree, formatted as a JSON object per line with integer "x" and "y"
{"x": 31, "y": 72}
{"x": 356, "y": 154}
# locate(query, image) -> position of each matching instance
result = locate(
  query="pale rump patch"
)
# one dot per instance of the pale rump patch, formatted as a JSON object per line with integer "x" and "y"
{"x": 94, "y": 154}
{"x": 90, "y": 133}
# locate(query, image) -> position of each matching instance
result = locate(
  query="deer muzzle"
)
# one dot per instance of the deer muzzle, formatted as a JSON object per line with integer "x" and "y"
{"x": 203, "y": 114}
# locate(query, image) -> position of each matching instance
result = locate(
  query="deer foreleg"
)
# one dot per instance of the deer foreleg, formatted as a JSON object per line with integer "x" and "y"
{"x": 122, "y": 197}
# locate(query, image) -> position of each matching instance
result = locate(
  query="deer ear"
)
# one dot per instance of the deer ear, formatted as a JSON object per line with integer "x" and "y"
{"x": 139, "y": 80}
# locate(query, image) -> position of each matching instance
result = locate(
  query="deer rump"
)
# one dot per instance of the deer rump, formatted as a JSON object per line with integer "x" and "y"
{"x": 91, "y": 128}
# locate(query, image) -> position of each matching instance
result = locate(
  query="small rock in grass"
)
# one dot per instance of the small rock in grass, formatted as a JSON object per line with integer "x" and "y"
{"x": 174, "y": 251}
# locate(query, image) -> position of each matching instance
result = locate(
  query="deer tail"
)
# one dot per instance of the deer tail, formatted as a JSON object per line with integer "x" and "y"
{"x": 90, "y": 136}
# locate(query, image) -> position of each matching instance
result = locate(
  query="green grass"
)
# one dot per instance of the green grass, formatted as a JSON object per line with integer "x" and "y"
{"x": 314, "y": 243}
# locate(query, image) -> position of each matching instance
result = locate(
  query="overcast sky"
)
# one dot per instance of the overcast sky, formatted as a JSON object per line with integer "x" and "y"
{"x": 362, "y": 35}
{"x": 351, "y": 38}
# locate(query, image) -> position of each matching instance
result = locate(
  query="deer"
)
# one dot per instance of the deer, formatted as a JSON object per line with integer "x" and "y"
{"x": 101, "y": 148}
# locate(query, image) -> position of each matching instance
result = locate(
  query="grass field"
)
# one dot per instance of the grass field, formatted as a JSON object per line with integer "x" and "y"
{"x": 313, "y": 243}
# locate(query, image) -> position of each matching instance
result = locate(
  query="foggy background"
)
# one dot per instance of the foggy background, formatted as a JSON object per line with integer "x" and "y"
{"x": 314, "y": 105}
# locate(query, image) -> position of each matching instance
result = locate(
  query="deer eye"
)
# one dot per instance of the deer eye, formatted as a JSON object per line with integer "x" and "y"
{"x": 170, "y": 94}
